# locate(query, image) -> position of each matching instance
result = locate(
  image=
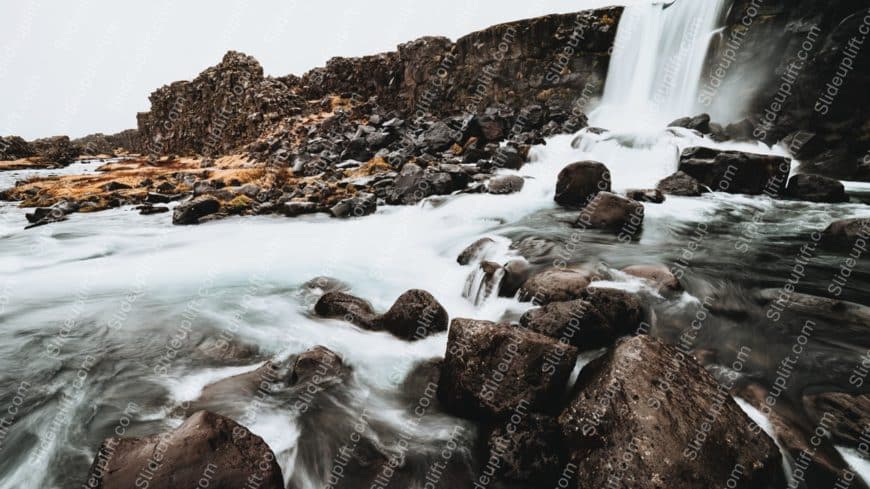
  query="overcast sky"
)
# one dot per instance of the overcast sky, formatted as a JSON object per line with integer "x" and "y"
{"x": 78, "y": 67}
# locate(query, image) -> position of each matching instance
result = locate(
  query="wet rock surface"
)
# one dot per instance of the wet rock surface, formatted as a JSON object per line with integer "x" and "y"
{"x": 489, "y": 369}
{"x": 816, "y": 188}
{"x": 579, "y": 182}
{"x": 680, "y": 183}
{"x": 556, "y": 285}
{"x": 206, "y": 443}
{"x": 691, "y": 436}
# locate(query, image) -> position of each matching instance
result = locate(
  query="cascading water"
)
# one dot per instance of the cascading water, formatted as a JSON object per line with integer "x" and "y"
{"x": 656, "y": 65}
{"x": 255, "y": 266}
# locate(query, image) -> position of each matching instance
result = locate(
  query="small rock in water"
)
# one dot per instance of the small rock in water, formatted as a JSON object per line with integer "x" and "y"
{"x": 361, "y": 205}
{"x": 555, "y": 285}
{"x": 658, "y": 275}
{"x": 347, "y": 307}
{"x": 415, "y": 315}
{"x": 848, "y": 233}
{"x": 475, "y": 251}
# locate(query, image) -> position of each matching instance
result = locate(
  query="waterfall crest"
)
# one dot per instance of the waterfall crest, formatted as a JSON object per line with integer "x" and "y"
{"x": 656, "y": 64}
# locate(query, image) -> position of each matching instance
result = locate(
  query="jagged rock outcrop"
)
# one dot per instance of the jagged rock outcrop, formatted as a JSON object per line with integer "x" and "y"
{"x": 817, "y": 103}
{"x": 14, "y": 147}
{"x": 223, "y": 108}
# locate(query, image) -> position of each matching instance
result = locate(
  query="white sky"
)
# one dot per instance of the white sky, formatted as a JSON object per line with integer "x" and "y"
{"x": 78, "y": 67}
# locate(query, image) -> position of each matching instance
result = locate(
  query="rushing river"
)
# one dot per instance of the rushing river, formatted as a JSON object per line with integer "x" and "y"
{"x": 109, "y": 319}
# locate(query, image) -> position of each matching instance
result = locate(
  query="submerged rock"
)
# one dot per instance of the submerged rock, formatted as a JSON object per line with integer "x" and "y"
{"x": 336, "y": 304}
{"x": 206, "y": 446}
{"x": 653, "y": 196}
{"x": 627, "y": 424}
{"x": 846, "y": 414}
{"x": 579, "y": 182}
{"x": 491, "y": 369}
{"x": 475, "y": 251}
{"x": 611, "y": 212}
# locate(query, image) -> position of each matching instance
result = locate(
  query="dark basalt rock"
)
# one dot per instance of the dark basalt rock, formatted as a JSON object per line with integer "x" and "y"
{"x": 516, "y": 272}
{"x": 415, "y": 315}
{"x": 15, "y": 147}
{"x": 736, "y": 172}
{"x": 147, "y": 210}
{"x": 532, "y": 369}
{"x": 57, "y": 150}
{"x": 621, "y": 412}
{"x": 193, "y": 210}
{"x": 206, "y": 444}
{"x": 816, "y": 188}
{"x": 579, "y": 182}
{"x": 680, "y": 183}
{"x": 613, "y": 213}
{"x": 555, "y": 285}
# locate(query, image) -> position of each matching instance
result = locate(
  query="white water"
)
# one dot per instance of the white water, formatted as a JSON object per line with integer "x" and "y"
{"x": 380, "y": 256}
{"x": 656, "y": 65}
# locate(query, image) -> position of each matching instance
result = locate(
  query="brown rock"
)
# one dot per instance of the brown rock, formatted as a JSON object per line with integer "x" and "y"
{"x": 623, "y": 425}
{"x": 206, "y": 445}
{"x": 555, "y": 285}
{"x": 611, "y": 212}
{"x": 658, "y": 275}
{"x": 492, "y": 369}
{"x": 347, "y": 307}
{"x": 579, "y": 182}
{"x": 415, "y": 315}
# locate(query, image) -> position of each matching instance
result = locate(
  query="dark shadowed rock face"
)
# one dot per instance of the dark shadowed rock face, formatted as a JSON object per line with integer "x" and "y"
{"x": 14, "y": 147}
{"x": 623, "y": 424}
{"x": 816, "y": 188}
{"x": 56, "y": 150}
{"x": 491, "y": 369}
{"x": 205, "y": 446}
{"x": 622, "y": 309}
{"x": 579, "y": 182}
{"x": 850, "y": 413}
{"x": 415, "y": 315}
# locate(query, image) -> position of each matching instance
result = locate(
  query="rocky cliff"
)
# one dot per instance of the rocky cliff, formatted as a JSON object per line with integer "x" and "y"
{"x": 803, "y": 67}
{"x": 549, "y": 60}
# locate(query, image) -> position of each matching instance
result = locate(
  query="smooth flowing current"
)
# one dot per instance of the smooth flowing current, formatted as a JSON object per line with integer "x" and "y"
{"x": 110, "y": 318}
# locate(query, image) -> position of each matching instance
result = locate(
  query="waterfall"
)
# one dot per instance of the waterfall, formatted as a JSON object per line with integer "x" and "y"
{"x": 656, "y": 64}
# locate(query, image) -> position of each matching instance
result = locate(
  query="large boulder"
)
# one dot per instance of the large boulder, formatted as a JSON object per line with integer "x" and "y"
{"x": 191, "y": 211}
{"x": 847, "y": 233}
{"x": 736, "y": 172}
{"x": 623, "y": 310}
{"x": 337, "y": 304}
{"x": 641, "y": 418}
{"x": 555, "y": 285}
{"x": 491, "y": 369}
{"x": 579, "y": 182}
{"x": 206, "y": 446}
{"x": 681, "y": 184}
{"x": 415, "y": 315}
{"x": 614, "y": 213}
{"x": 816, "y": 188}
